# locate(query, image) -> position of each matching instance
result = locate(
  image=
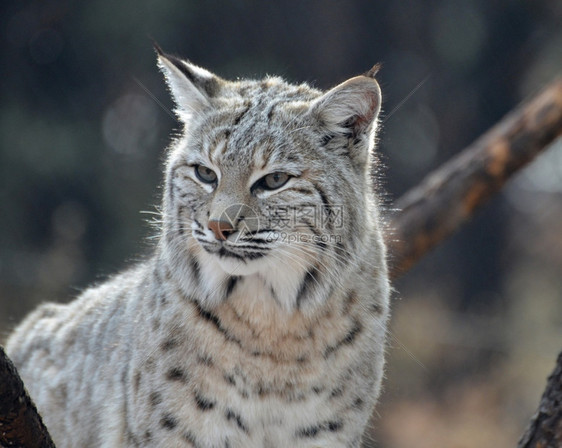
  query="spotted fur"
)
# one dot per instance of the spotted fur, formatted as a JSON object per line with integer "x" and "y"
{"x": 269, "y": 332}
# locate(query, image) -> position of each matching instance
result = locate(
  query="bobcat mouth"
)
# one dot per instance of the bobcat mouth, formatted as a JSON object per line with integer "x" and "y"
{"x": 244, "y": 253}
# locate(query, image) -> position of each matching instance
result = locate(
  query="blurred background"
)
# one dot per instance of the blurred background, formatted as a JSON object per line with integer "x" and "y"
{"x": 84, "y": 124}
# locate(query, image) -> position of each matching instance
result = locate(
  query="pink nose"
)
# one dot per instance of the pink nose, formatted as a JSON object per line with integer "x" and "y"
{"x": 221, "y": 229}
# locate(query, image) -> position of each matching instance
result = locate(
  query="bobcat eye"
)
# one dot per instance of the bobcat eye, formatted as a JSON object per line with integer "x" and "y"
{"x": 274, "y": 181}
{"x": 205, "y": 175}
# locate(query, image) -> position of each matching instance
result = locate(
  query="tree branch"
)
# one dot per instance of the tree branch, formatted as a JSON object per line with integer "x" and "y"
{"x": 448, "y": 197}
{"x": 20, "y": 423}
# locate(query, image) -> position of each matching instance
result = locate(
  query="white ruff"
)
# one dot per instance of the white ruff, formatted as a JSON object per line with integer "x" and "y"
{"x": 276, "y": 276}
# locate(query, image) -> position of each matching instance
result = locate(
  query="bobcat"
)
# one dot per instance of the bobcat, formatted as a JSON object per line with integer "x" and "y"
{"x": 260, "y": 318}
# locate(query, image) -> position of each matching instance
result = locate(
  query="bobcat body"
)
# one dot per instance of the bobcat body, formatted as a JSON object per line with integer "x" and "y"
{"x": 260, "y": 319}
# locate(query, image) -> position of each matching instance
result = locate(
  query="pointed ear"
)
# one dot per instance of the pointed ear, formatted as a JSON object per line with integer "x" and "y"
{"x": 192, "y": 87}
{"x": 350, "y": 108}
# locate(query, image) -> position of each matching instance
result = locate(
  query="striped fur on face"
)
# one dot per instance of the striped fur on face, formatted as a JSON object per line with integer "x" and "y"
{"x": 269, "y": 180}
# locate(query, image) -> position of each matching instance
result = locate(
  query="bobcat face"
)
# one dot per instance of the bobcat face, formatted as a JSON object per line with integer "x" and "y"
{"x": 243, "y": 200}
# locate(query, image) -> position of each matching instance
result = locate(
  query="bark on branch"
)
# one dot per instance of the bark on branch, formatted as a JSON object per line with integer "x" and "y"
{"x": 426, "y": 215}
{"x": 545, "y": 429}
{"x": 20, "y": 423}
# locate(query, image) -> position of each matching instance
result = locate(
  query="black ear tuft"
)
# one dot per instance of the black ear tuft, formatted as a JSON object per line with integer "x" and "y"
{"x": 372, "y": 73}
{"x": 157, "y": 48}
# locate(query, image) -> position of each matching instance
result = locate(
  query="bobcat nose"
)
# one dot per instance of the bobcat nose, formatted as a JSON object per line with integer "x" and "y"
{"x": 220, "y": 228}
